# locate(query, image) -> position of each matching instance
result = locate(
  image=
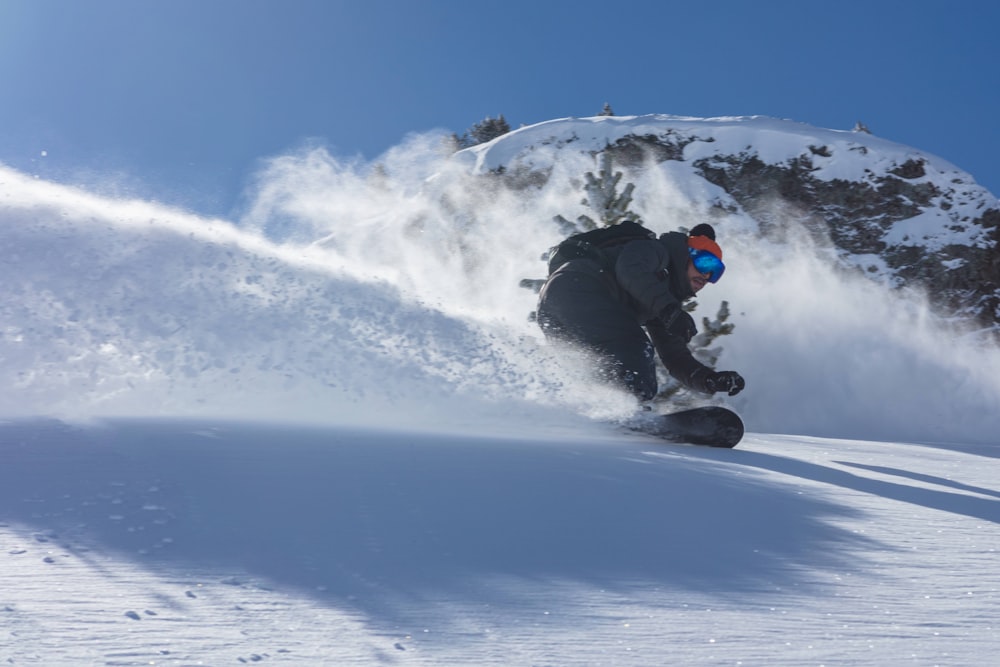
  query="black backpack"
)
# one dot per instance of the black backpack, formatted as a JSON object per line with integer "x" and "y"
{"x": 592, "y": 244}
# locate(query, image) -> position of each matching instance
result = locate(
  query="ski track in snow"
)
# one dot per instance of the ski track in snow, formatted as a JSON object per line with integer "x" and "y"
{"x": 180, "y": 542}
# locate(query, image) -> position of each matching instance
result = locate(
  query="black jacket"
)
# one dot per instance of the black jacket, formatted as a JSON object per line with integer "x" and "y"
{"x": 652, "y": 278}
{"x": 647, "y": 277}
{"x": 652, "y": 275}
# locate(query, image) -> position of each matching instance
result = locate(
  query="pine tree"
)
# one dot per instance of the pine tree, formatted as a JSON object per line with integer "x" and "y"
{"x": 485, "y": 130}
{"x": 489, "y": 129}
{"x": 606, "y": 111}
{"x": 603, "y": 198}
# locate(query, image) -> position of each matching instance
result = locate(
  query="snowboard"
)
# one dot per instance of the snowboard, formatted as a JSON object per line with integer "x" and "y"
{"x": 711, "y": 426}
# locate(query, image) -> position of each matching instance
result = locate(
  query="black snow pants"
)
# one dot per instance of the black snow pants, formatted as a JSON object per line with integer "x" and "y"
{"x": 579, "y": 305}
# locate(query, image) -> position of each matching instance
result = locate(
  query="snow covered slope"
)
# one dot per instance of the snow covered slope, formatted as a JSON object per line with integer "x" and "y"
{"x": 209, "y": 542}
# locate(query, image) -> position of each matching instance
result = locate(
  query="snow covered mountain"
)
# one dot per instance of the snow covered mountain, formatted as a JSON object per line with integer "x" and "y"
{"x": 905, "y": 218}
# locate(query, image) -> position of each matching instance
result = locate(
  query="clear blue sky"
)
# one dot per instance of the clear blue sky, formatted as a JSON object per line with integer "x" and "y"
{"x": 183, "y": 96}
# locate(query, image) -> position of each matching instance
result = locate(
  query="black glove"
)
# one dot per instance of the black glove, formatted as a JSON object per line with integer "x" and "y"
{"x": 730, "y": 382}
{"x": 679, "y": 322}
{"x": 711, "y": 381}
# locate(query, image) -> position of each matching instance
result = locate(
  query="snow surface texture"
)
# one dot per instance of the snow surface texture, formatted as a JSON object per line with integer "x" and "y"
{"x": 205, "y": 542}
{"x": 327, "y": 434}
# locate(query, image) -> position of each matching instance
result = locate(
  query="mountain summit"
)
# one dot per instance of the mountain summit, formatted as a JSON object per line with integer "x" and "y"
{"x": 903, "y": 217}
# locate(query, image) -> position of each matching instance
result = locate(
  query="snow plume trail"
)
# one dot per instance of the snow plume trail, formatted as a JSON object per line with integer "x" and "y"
{"x": 825, "y": 351}
{"x": 128, "y": 308}
{"x": 388, "y": 294}
{"x": 449, "y": 241}
{"x": 418, "y": 221}
{"x": 829, "y": 351}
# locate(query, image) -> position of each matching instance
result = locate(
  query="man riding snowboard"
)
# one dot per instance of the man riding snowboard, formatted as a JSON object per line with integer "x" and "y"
{"x": 628, "y": 305}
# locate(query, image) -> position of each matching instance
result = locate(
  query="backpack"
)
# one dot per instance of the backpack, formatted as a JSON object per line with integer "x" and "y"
{"x": 591, "y": 244}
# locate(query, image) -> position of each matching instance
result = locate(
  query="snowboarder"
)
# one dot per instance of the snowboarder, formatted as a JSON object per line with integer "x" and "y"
{"x": 628, "y": 305}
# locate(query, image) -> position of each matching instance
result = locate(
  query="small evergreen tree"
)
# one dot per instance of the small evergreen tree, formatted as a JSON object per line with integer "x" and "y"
{"x": 603, "y": 198}
{"x": 489, "y": 129}
{"x": 485, "y": 130}
{"x": 602, "y": 194}
{"x": 606, "y": 111}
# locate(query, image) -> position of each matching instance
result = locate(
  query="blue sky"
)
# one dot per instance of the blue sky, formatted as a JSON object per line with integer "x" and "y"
{"x": 178, "y": 100}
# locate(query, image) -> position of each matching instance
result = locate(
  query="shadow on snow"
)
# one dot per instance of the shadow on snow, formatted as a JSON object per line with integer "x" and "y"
{"x": 364, "y": 519}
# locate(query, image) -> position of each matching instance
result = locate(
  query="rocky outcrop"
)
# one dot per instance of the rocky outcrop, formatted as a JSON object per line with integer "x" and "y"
{"x": 962, "y": 280}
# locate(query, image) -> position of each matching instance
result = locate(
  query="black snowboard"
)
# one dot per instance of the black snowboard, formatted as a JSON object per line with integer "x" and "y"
{"x": 711, "y": 426}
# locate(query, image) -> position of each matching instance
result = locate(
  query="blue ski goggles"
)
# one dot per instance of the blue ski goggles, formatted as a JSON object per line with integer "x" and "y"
{"x": 707, "y": 263}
